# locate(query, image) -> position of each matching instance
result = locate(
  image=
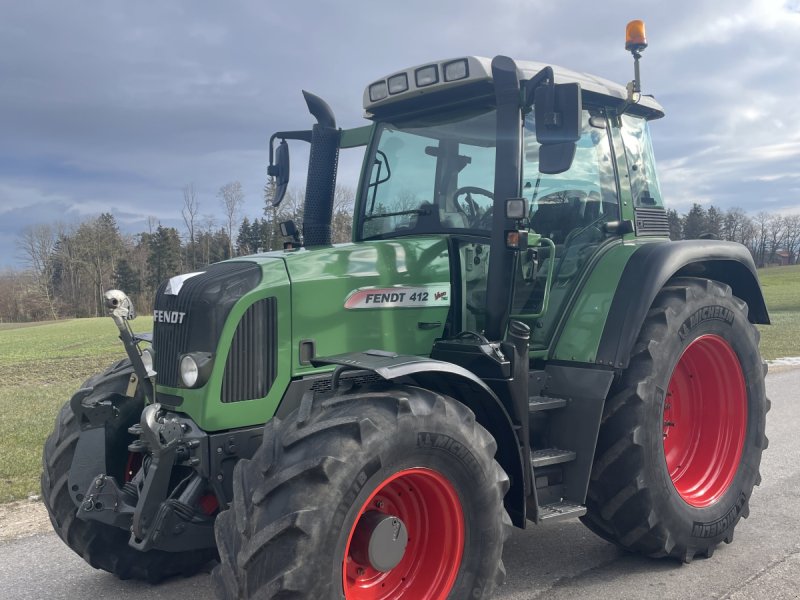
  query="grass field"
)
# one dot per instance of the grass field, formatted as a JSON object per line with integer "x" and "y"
{"x": 782, "y": 290}
{"x": 42, "y": 364}
{"x": 40, "y": 368}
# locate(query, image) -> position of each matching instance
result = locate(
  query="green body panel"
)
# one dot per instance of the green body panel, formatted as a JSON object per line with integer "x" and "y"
{"x": 322, "y": 280}
{"x": 203, "y": 404}
{"x": 311, "y": 287}
{"x": 583, "y": 324}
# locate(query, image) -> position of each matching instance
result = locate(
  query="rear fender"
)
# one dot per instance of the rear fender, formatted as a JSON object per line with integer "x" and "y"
{"x": 459, "y": 383}
{"x": 652, "y": 266}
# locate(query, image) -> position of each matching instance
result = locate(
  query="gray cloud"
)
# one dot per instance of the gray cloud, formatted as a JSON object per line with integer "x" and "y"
{"x": 117, "y": 105}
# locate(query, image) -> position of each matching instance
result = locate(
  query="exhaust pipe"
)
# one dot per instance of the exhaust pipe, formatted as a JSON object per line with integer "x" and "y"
{"x": 322, "y": 165}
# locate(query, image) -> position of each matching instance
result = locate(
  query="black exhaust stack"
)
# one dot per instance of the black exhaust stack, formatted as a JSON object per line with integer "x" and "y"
{"x": 322, "y": 165}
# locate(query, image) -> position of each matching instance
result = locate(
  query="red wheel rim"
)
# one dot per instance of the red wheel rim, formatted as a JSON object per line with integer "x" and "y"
{"x": 132, "y": 466}
{"x": 428, "y": 505}
{"x": 705, "y": 420}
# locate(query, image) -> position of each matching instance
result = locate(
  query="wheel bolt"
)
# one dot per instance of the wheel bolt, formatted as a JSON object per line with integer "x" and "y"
{"x": 379, "y": 503}
{"x": 360, "y": 571}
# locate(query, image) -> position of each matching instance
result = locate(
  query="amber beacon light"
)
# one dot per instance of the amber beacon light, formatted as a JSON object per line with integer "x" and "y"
{"x": 635, "y": 39}
{"x": 635, "y": 42}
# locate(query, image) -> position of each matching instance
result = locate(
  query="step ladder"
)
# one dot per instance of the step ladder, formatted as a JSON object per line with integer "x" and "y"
{"x": 548, "y": 473}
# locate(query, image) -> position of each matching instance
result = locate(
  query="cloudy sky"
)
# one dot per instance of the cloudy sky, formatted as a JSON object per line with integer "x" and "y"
{"x": 115, "y": 106}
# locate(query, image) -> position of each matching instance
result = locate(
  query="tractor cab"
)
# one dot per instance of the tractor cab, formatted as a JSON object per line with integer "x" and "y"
{"x": 431, "y": 165}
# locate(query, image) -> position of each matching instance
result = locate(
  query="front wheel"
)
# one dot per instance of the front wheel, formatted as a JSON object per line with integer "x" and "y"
{"x": 103, "y": 546}
{"x": 389, "y": 493}
{"x": 682, "y": 434}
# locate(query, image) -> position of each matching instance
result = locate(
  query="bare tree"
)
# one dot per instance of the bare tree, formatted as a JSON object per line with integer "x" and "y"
{"x": 152, "y": 224}
{"x": 792, "y": 242}
{"x": 231, "y": 198}
{"x": 776, "y": 236}
{"x": 38, "y": 244}
{"x": 191, "y": 206}
{"x": 761, "y": 237}
{"x": 342, "y": 218}
{"x": 207, "y": 227}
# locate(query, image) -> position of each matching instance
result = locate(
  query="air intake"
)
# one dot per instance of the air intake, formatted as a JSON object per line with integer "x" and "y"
{"x": 652, "y": 221}
{"x": 252, "y": 363}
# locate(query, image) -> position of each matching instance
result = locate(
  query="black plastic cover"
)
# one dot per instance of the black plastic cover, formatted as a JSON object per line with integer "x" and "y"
{"x": 200, "y": 310}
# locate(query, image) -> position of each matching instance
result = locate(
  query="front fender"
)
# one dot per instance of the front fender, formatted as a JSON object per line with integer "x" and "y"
{"x": 463, "y": 385}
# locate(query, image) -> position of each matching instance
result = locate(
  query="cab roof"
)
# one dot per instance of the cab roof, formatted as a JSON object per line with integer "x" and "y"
{"x": 479, "y": 69}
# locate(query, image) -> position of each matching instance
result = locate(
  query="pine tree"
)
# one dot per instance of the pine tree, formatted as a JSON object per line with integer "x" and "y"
{"x": 165, "y": 255}
{"x": 715, "y": 221}
{"x": 675, "y": 224}
{"x": 694, "y": 223}
{"x": 126, "y": 278}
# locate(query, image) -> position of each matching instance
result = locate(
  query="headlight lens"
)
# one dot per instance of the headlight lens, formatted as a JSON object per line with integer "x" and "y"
{"x": 378, "y": 91}
{"x": 426, "y": 75}
{"x": 148, "y": 358}
{"x": 195, "y": 369}
{"x": 189, "y": 371}
{"x": 458, "y": 69}
{"x": 398, "y": 83}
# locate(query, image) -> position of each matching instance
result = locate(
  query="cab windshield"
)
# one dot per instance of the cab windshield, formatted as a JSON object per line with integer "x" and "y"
{"x": 437, "y": 176}
{"x": 431, "y": 177}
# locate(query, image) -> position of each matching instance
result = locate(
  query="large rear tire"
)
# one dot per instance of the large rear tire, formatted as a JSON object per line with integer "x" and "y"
{"x": 309, "y": 506}
{"x": 682, "y": 433}
{"x": 103, "y": 546}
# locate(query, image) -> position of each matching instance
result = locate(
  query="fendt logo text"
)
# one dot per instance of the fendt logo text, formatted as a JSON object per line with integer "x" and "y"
{"x": 168, "y": 316}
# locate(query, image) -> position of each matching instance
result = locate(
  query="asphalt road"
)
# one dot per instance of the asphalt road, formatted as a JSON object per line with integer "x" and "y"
{"x": 562, "y": 560}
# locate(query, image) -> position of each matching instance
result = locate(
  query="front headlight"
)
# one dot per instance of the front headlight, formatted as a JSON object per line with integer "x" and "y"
{"x": 148, "y": 359}
{"x": 195, "y": 369}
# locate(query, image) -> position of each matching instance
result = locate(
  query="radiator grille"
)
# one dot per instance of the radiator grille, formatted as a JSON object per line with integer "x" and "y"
{"x": 652, "y": 221}
{"x": 252, "y": 363}
{"x": 197, "y": 314}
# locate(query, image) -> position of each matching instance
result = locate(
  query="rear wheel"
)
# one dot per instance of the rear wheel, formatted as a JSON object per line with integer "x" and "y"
{"x": 383, "y": 494}
{"x": 682, "y": 433}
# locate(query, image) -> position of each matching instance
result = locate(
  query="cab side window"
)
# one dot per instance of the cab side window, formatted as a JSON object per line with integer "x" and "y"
{"x": 641, "y": 163}
{"x": 586, "y": 193}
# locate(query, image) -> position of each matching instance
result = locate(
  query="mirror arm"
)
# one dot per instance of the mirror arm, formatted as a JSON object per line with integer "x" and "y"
{"x": 529, "y": 86}
{"x": 303, "y": 136}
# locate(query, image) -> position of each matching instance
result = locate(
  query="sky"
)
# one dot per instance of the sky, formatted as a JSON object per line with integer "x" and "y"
{"x": 115, "y": 106}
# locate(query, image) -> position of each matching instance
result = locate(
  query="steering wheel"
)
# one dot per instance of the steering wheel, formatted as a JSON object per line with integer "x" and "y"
{"x": 473, "y": 211}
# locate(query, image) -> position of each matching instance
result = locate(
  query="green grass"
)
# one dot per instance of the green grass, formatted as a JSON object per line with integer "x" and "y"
{"x": 782, "y": 290}
{"x": 43, "y": 364}
{"x": 40, "y": 368}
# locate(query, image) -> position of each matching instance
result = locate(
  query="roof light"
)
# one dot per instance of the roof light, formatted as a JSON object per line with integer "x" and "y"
{"x": 378, "y": 91}
{"x": 398, "y": 83}
{"x": 635, "y": 39}
{"x": 455, "y": 70}
{"x": 426, "y": 75}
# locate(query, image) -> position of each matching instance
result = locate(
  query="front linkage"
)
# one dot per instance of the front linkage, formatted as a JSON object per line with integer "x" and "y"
{"x": 177, "y": 476}
{"x": 158, "y": 514}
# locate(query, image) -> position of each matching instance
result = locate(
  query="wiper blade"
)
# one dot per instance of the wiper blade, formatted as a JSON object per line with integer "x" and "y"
{"x": 415, "y": 211}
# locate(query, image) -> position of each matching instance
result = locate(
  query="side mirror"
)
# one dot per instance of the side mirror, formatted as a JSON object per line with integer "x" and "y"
{"x": 557, "y": 110}
{"x": 280, "y": 171}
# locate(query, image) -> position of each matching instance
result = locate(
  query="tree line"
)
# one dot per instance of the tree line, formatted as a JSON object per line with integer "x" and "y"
{"x": 771, "y": 238}
{"x": 68, "y": 267}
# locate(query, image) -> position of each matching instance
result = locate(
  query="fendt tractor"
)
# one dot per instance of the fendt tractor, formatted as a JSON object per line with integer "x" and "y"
{"x": 510, "y": 338}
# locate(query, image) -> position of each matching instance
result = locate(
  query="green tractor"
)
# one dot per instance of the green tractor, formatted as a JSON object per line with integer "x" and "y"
{"x": 510, "y": 338}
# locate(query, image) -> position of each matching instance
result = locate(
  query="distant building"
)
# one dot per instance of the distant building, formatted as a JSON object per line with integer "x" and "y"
{"x": 783, "y": 258}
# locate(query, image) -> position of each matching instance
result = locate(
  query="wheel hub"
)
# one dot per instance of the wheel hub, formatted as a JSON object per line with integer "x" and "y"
{"x": 379, "y": 540}
{"x": 407, "y": 541}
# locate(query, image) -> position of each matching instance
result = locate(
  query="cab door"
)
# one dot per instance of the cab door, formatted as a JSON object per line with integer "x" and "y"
{"x": 570, "y": 209}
